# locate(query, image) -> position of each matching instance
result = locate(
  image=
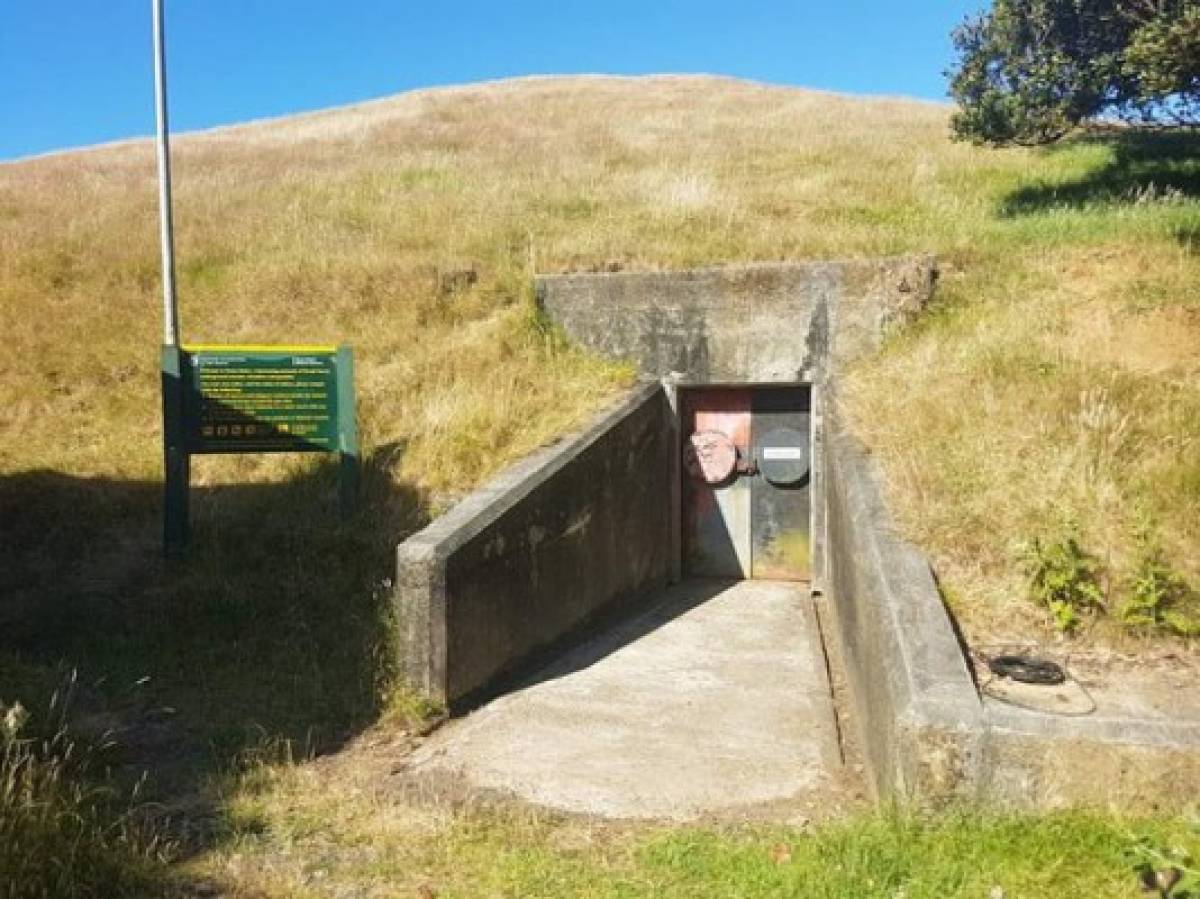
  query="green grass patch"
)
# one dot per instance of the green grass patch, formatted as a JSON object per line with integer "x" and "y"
{"x": 885, "y": 854}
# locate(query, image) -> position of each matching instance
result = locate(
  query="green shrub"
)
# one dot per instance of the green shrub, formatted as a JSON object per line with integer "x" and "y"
{"x": 1063, "y": 578}
{"x": 1159, "y": 597}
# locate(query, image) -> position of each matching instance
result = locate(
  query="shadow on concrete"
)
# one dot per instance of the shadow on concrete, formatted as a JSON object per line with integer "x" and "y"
{"x": 959, "y": 636}
{"x": 600, "y": 637}
{"x": 1144, "y": 167}
{"x": 614, "y": 633}
{"x": 272, "y": 633}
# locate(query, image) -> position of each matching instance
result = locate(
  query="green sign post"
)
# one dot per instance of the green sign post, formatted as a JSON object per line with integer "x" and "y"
{"x": 239, "y": 399}
{"x": 254, "y": 399}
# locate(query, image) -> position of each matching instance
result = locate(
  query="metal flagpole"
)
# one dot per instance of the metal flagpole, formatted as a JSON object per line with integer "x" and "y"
{"x": 170, "y": 309}
{"x": 177, "y": 462}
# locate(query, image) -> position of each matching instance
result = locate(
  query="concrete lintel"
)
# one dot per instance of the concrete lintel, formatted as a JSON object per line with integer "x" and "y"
{"x": 766, "y": 322}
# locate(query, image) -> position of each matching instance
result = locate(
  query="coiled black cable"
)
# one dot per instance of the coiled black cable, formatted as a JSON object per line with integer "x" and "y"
{"x": 1027, "y": 669}
{"x": 1019, "y": 666}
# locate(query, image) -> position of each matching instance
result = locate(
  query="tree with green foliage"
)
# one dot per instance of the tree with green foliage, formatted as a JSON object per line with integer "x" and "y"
{"x": 1030, "y": 71}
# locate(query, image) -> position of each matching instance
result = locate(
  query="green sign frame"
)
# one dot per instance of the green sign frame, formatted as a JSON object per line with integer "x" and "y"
{"x": 254, "y": 399}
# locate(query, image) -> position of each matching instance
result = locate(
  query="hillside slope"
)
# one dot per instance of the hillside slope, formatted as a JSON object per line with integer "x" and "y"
{"x": 1055, "y": 382}
{"x": 1051, "y": 394}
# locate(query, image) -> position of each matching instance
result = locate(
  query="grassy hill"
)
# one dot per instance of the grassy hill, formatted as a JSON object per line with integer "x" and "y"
{"x": 1054, "y": 381}
{"x": 1050, "y": 394}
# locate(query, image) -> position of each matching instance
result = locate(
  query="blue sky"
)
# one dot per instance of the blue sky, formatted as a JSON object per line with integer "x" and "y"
{"x": 76, "y": 72}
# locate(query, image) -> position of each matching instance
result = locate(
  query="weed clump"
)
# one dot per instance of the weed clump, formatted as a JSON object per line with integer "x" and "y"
{"x": 61, "y": 835}
{"x": 1063, "y": 578}
{"x": 1069, "y": 581}
{"x": 1159, "y": 597}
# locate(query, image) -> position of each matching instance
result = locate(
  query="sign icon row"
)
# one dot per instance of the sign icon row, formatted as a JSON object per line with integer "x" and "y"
{"x": 241, "y": 430}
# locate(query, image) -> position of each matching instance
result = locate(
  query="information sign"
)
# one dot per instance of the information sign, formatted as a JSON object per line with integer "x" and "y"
{"x": 255, "y": 399}
{"x": 260, "y": 399}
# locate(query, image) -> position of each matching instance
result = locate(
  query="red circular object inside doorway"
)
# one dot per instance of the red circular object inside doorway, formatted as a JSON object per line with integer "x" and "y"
{"x": 709, "y": 456}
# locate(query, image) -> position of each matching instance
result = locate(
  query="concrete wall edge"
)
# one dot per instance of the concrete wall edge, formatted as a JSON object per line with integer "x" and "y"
{"x": 484, "y": 505}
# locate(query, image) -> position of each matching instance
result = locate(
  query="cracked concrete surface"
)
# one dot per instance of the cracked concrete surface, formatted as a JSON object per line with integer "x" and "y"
{"x": 716, "y": 699}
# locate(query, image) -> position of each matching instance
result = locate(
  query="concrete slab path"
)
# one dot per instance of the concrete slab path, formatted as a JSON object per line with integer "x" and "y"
{"x": 715, "y": 699}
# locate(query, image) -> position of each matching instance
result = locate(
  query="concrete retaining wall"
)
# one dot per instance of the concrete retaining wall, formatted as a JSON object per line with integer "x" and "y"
{"x": 573, "y": 532}
{"x": 919, "y": 718}
{"x": 926, "y": 733}
{"x": 1133, "y": 764}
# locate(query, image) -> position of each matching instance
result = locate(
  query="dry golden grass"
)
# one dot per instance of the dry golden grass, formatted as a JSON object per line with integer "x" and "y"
{"x": 1060, "y": 375}
{"x": 1048, "y": 396}
{"x": 1055, "y": 377}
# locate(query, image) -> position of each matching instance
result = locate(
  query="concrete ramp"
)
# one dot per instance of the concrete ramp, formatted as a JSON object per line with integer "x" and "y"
{"x": 716, "y": 699}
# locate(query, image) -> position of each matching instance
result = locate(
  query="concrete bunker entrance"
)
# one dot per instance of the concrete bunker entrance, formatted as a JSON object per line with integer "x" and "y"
{"x": 638, "y": 600}
{"x": 668, "y": 658}
{"x": 655, "y": 605}
{"x": 704, "y": 685}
